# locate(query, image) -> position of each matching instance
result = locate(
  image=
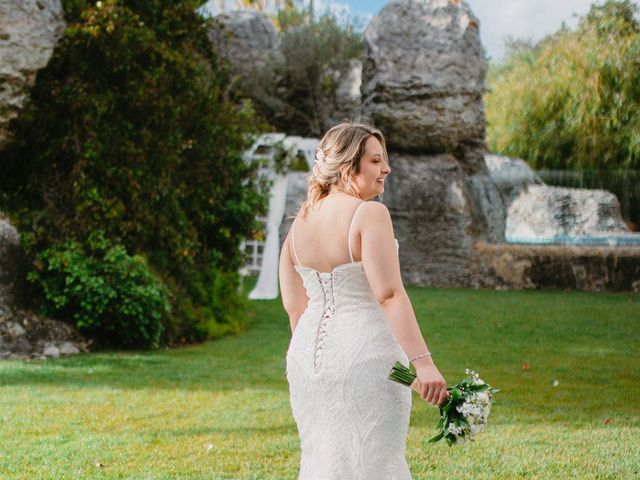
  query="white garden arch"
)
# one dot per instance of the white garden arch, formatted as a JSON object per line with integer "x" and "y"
{"x": 264, "y": 255}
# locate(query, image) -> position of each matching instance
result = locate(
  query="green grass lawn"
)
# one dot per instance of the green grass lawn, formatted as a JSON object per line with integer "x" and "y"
{"x": 221, "y": 410}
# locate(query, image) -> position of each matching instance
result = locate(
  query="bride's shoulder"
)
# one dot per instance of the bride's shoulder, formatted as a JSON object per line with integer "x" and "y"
{"x": 374, "y": 216}
{"x": 373, "y": 210}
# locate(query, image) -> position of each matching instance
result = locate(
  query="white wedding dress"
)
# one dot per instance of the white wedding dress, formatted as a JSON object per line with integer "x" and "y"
{"x": 352, "y": 420}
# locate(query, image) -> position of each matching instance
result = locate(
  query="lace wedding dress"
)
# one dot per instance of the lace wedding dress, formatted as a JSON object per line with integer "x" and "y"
{"x": 351, "y": 419}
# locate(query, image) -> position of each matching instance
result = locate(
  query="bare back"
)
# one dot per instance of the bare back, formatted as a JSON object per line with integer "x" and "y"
{"x": 326, "y": 238}
{"x": 321, "y": 242}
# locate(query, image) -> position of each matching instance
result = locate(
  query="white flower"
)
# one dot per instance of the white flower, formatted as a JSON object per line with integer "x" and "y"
{"x": 470, "y": 408}
{"x": 483, "y": 397}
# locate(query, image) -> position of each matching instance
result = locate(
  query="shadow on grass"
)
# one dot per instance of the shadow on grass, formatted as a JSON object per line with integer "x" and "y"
{"x": 201, "y": 369}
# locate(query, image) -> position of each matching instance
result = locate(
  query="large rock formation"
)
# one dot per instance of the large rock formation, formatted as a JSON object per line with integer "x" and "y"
{"x": 439, "y": 212}
{"x": 246, "y": 38}
{"x": 23, "y": 334}
{"x": 29, "y": 31}
{"x": 544, "y": 212}
{"x": 422, "y": 85}
{"x": 423, "y": 75}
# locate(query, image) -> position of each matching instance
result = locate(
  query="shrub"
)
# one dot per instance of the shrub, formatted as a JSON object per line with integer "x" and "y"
{"x": 110, "y": 295}
{"x": 128, "y": 131}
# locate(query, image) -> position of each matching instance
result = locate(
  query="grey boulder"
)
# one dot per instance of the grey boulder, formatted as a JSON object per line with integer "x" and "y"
{"x": 29, "y": 32}
{"x": 544, "y": 212}
{"x": 424, "y": 76}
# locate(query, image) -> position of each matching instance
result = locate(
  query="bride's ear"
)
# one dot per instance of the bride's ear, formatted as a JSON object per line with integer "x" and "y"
{"x": 346, "y": 174}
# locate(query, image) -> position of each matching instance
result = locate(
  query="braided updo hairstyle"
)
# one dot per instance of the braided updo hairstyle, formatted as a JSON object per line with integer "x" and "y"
{"x": 338, "y": 160}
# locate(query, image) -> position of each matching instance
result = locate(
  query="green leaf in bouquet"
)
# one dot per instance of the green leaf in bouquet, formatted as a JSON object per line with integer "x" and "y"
{"x": 462, "y": 421}
{"x": 479, "y": 388}
{"x": 447, "y": 408}
{"x": 456, "y": 394}
{"x": 448, "y": 421}
{"x": 436, "y": 438}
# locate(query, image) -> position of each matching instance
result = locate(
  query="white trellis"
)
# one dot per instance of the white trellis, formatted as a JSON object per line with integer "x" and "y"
{"x": 263, "y": 255}
{"x": 254, "y": 250}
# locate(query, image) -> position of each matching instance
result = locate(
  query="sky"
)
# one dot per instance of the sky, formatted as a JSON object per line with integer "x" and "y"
{"x": 524, "y": 19}
{"x": 521, "y": 19}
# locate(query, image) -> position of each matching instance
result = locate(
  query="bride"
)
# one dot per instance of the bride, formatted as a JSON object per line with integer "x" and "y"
{"x": 351, "y": 318}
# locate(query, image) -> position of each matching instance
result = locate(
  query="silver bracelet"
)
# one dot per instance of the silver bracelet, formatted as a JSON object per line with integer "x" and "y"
{"x": 428, "y": 354}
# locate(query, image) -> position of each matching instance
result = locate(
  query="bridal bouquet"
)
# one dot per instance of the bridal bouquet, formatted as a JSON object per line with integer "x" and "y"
{"x": 464, "y": 413}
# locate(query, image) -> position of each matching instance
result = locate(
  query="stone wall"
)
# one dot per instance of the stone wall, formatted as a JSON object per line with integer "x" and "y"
{"x": 589, "y": 268}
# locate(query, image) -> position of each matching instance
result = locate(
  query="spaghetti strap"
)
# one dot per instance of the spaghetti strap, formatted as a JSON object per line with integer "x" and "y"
{"x": 293, "y": 241}
{"x": 350, "y": 227}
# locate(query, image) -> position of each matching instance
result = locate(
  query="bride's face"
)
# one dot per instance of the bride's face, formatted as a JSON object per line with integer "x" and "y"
{"x": 369, "y": 182}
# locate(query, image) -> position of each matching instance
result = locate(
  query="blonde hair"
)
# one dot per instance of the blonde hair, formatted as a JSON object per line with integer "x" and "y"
{"x": 338, "y": 160}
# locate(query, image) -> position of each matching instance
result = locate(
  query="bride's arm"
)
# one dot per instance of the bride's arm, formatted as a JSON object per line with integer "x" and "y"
{"x": 294, "y": 296}
{"x": 382, "y": 267}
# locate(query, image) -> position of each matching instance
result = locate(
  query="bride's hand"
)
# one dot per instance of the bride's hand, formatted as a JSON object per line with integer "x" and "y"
{"x": 430, "y": 384}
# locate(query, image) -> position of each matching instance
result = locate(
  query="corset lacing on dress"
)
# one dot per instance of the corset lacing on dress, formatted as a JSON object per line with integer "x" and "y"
{"x": 326, "y": 281}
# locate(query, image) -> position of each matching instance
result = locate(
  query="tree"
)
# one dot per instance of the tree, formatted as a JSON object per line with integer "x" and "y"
{"x": 572, "y": 100}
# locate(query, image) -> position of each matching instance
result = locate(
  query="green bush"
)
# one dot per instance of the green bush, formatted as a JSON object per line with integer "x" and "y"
{"x": 573, "y": 100}
{"x": 128, "y": 131}
{"x": 111, "y": 296}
